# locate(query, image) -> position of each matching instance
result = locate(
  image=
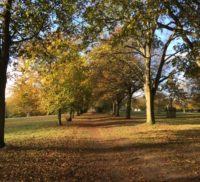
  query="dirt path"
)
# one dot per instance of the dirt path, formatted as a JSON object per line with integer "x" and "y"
{"x": 99, "y": 160}
{"x": 99, "y": 147}
{"x": 109, "y": 152}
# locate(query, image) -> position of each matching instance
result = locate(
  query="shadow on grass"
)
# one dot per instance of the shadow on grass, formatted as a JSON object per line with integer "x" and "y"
{"x": 186, "y": 179}
{"x": 183, "y": 122}
{"x": 105, "y": 123}
{"x": 180, "y": 121}
{"x": 98, "y": 120}
{"x": 184, "y": 140}
{"x": 95, "y": 120}
{"x": 120, "y": 121}
{"x": 99, "y": 148}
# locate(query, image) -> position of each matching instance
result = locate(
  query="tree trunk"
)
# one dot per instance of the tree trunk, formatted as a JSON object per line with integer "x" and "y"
{"x": 128, "y": 106}
{"x": 183, "y": 107}
{"x": 70, "y": 115}
{"x": 81, "y": 111}
{"x": 2, "y": 104}
{"x": 28, "y": 115}
{"x": 117, "y": 109}
{"x": 59, "y": 117}
{"x": 114, "y": 109}
{"x": 150, "y": 119}
{"x": 4, "y": 58}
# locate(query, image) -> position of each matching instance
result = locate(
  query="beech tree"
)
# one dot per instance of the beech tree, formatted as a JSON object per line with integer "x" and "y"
{"x": 24, "y": 20}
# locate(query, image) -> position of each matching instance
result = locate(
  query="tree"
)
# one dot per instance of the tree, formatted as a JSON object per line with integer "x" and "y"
{"x": 24, "y": 100}
{"x": 186, "y": 23}
{"x": 61, "y": 73}
{"x": 176, "y": 92}
{"x": 191, "y": 74}
{"x": 116, "y": 75}
{"x": 137, "y": 25}
{"x": 22, "y": 21}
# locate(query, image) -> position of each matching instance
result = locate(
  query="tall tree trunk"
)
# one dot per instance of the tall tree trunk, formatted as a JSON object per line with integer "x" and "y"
{"x": 59, "y": 117}
{"x": 2, "y": 103}
{"x": 117, "y": 108}
{"x": 150, "y": 119}
{"x": 4, "y": 58}
{"x": 128, "y": 105}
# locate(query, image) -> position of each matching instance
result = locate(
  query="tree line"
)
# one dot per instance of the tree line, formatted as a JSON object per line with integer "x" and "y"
{"x": 143, "y": 42}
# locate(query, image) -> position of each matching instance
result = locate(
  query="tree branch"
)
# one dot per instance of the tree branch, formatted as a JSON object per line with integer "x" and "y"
{"x": 162, "y": 62}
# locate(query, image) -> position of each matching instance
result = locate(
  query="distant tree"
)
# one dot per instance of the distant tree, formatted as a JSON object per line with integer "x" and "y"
{"x": 60, "y": 72}
{"x": 116, "y": 75}
{"x": 191, "y": 73}
{"x": 176, "y": 92}
{"x": 161, "y": 101}
{"x": 24, "y": 99}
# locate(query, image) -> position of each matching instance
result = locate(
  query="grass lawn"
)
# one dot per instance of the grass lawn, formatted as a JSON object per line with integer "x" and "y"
{"x": 99, "y": 147}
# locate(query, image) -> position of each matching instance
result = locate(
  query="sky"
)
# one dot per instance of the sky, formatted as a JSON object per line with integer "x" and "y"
{"x": 11, "y": 72}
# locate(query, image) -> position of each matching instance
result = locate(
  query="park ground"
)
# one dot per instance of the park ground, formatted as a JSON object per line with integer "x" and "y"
{"x": 99, "y": 147}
